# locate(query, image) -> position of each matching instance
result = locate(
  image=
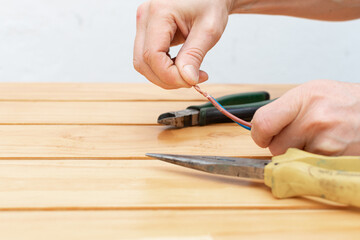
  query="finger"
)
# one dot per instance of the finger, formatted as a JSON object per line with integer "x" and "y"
{"x": 159, "y": 34}
{"x": 178, "y": 38}
{"x": 139, "y": 64}
{"x": 325, "y": 145}
{"x": 203, "y": 76}
{"x": 269, "y": 120}
{"x": 141, "y": 20}
{"x": 289, "y": 137}
{"x": 202, "y": 37}
{"x": 330, "y": 142}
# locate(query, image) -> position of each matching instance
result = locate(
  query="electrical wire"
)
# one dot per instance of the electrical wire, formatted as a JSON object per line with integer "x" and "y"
{"x": 219, "y": 107}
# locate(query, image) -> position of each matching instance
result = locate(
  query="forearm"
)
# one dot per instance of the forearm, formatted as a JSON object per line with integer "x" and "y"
{"x": 331, "y": 10}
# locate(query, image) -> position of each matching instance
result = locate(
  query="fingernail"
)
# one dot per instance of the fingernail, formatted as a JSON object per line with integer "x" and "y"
{"x": 191, "y": 73}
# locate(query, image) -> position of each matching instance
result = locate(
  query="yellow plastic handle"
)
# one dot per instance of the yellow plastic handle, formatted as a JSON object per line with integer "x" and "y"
{"x": 298, "y": 173}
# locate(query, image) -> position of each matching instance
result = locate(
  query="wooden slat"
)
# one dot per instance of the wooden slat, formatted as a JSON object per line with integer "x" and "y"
{"x": 130, "y": 113}
{"x": 130, "y": 184}
{"x": 101, "y": 142}
{"x": 122, "y": 92}
{"x": 181, "y": 225}
{"x": 143, "y": 199}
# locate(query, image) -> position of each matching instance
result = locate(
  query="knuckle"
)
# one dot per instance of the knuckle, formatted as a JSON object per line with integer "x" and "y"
{"x": 319, "y": 121}
{"x": 196, "y": 54}
{"x": 326, "y": 146}
{"x": 147, "y": 55}
{"x": 137, "y": 65}
{"x": 142, "y": 8}
{"x": 139, "y": 12}
{"x": 261, "y": 121}
{"x": 260, "y": 133}
{"x": 158, "y": 5}
{"x": 213, "y": 30}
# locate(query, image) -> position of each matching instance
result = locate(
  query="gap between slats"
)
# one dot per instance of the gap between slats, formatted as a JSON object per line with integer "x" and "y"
{"x": 176, "y": 208}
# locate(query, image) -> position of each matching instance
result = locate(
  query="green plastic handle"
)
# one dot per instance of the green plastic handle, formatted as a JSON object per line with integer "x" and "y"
{"x": 236, "y": 99}
{"x": 245, "y": 105}
{"x": 246, "y": 112}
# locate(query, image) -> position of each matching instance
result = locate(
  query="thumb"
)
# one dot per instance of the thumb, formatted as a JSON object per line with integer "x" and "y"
{"x": 199, "y": 41}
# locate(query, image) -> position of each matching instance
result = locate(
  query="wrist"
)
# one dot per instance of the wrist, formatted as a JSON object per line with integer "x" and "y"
{"x": 273, "y": 7}
{"x": 242, "y": 6}
{"x": 320, "y": 9}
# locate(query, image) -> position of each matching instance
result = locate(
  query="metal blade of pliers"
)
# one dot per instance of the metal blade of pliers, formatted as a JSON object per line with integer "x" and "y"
{"x": 230, "y": 166}
{"x": 183, "y": 118}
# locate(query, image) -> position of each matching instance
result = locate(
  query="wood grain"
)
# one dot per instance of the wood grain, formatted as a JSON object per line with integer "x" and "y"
{"x": 181, "y": 225}
{"x": 118, "y": 142}
{"x": 130, "y": 184}
{"x": 90, "y": 113}
{"x": 71, "y": 168}
{"x": 123, "y": 92}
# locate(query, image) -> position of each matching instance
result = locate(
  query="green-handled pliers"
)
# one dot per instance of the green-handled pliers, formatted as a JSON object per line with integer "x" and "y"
{"x": 242, "y": 105}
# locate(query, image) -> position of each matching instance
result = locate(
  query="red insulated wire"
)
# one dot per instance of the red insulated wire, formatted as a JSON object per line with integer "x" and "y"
{"x": 221, "y": 109}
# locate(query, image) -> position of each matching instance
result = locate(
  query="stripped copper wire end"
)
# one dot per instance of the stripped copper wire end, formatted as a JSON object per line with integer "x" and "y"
{"x": 205, "y": 94}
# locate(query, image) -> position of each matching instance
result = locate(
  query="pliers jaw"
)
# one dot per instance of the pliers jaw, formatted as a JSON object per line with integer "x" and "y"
{"x": 242, "y": 105}
{"x": 229, "y": 166}
{"x": 180, "y": 119}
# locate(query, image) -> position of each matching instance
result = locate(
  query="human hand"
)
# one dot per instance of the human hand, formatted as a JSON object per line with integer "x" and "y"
{"x": 161, "y": 24}
{"x": 319, "y": 116}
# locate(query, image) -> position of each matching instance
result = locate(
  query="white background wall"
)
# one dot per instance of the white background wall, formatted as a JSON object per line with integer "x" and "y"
{"x": 92, "y": 41}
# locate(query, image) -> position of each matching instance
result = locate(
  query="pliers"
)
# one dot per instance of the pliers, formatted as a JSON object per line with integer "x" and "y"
{"x": 242, "y": 105}
{"x": 295, "y": 173}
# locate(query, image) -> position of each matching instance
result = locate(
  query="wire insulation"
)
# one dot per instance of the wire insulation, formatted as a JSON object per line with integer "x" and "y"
{"x": 219, "y": 107}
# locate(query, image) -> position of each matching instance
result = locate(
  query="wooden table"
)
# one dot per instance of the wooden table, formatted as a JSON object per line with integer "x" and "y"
{"x": 73, "y": 167}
